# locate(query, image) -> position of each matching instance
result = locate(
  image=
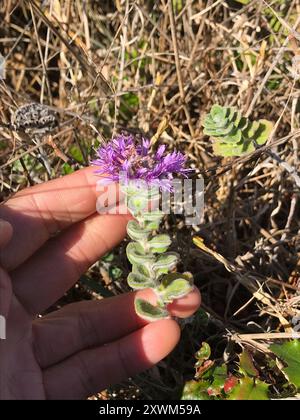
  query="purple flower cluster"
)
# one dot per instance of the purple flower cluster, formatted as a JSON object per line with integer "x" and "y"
{"x": 123, "y": 155}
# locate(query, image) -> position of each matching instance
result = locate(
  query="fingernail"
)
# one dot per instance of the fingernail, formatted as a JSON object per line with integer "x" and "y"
{"x": 4, "y": 224}
{"x": 2, "y": 327}
{"x": 5, "y": 228}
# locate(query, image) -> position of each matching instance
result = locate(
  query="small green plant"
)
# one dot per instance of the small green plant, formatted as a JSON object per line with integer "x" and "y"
{"x": 214, "y": 381}
{"x": 141, "y": 174}
{"x": 151, "y": 263}
{"x": 233, "y": 134}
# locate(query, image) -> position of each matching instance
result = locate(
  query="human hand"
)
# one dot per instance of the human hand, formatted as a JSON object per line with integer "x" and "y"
{"x": 54, "y": 234}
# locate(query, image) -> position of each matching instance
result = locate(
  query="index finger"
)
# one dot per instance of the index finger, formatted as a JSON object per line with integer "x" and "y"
{"x": 39, "y": 212}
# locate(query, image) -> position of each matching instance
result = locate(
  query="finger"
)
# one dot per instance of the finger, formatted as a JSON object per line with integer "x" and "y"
{"x": 41, "y": 211}
{"x": 84, "y": 325}
{"x": 5, "y": 298}
{"x": 5, "y": 283}
{"x": 187, "y": 305}
{"x": 45, "y": 277}
{"x": 5, "y": 233}
{"x": 92, "y": 370}
{"x": 89, "y": 324}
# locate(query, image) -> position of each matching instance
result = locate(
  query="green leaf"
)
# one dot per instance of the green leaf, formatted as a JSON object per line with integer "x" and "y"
{"x": 289, "y": 352}
{"x": 152, "y": 225}
{"x": 76, "y": 153}
{"x": 165, "y": 262}
{"x": 136, "y": 254}
{"x": 130, "y": 188}
{"x": 178, "y": 5}
{"x": 249, "y": 389}
{"x": 174, "y": 286}
{"x": 150, "y": 312}
{"x": 115, "y": 272}
{"x": 234, "y": 137}
{"x": 264, "y": 131}
{"x": 228, "y": 150}
{"x": 221, "y": 131}
{"x": 129, "y": 105}
{"x": 153, "y": 216}
{"x": 246, "y": 364}
{"x": 203, "y": 365}
{"x": 203, "y": 354}
{"x": 235, "y": 117}
{"x": 144, "y": 270}
{"x": 137, "y": 204}
{"x": 108, "y": 257}
{"x": 67, "y": 169}
{"x": 233, "y": 134}
{"x": 141, "y": 277}
{"x": 159, "y": 243}
{"x": 138, "y": 281}
{"x": 139, "y": 188}
{"x": 196, "y": 390}
{"x": 219, "y": 379}
{"x": 218, "y": 112}
{"x": 136, "y": 232}
{"x": 131, "y": 99}
{"x": 251, "y": 129}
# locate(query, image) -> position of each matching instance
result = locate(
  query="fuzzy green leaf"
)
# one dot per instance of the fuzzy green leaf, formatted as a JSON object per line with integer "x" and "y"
{"x": 175, "y": 285}
{"x": 165, "y": 262}
{"x": 151, "y": 216}
{"x": 228, "y": 150}
{"x": 289, "y": 352}
{"x": 152, "y": 225}
{"x": 233, "y": 134}
{"x": 135, "y": 188}
{"x": 220, "y": 131}
{"x": 234, "y": 137}
{"x": 137, "y": 204}
{"x": 136, "y": 254}
{"x": 136, "y": 232}
{"x": 138, "y": 281}
{"x": 144, "y": 270}
{"x": 251, "y": 130}
{"x": 159, "y": 243}
{"x": 235, "y": 117}
{"x": 149, "y": 312}
{"x": 264, "y": 131}
{"x": 216, "y": 110}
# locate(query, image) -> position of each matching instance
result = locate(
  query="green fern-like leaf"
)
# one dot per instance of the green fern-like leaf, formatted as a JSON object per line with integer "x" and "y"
{"x": 233, "y": 134}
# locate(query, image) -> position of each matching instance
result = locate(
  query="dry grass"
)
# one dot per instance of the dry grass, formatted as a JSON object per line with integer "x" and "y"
{"x": 125, "y": 65}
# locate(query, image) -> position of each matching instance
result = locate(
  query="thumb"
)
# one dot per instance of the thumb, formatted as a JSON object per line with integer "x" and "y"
{"x": 6, "y": 231}
{"x": 5, "y": 283}
{"x": 5, "y": 299}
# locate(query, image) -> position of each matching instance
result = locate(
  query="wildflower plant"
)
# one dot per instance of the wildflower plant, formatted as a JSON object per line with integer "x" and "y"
{"x": 142, "y": 174}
